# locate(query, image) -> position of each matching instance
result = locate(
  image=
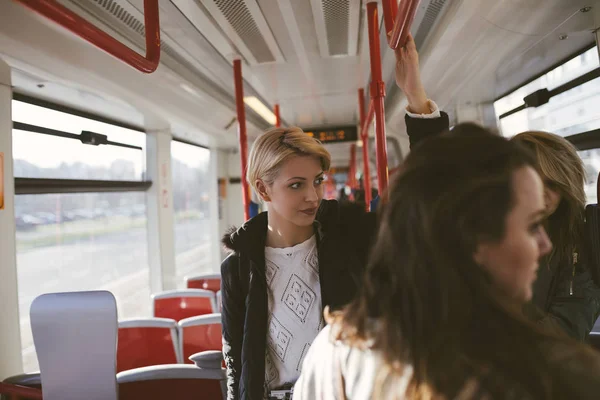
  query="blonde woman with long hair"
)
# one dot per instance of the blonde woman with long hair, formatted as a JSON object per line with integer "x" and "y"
{"x": 565, "y": 297}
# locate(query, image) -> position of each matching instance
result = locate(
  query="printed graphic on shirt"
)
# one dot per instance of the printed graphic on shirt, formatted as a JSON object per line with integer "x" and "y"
{"x": 304, "y": 351}
{"x": 271, "y": 369}
{"x": 279, "y": 338}
{"x": 271, "y": 271}
{"x": 312, "y": 259}
{"x": 298, "y": 297}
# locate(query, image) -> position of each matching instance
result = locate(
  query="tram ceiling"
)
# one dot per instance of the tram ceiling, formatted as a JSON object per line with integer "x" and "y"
{"x": 496, "y": 46}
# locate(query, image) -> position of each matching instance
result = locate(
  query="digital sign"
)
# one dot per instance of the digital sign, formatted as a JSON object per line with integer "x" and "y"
{"x": 334, "y": 135}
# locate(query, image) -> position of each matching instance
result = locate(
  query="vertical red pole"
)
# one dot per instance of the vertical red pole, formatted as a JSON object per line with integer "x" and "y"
{"x": 377, "y": 96}
{"x": 277, "y": 117}
{"x": 364, "y": 136}
{"x": 352, "y": 173}
{"x": 241, "y": 117}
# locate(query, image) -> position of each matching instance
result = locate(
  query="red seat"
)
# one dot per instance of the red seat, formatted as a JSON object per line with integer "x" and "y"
{"x": 199, "y": 334}
{"x": 181, "y": 382}
{"x": 17, "y": 382}
{"x": 181, "y": 304}
{"x": 145, "y": 342}
{"x": 18, "y": 392}
{"x": 210, "y": 282}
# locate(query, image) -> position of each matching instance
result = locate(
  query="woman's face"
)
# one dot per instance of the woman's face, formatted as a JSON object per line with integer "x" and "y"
{"x": 513, "y": 261}
{"x": 297, "y": 191}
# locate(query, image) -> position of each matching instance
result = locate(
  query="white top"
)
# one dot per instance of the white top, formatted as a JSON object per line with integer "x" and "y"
{"x": 326, "y": 363}
{"x": 295, "y": 318}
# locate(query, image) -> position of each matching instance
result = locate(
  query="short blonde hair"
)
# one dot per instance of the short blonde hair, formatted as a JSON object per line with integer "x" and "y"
{"x": 276, "y": 146}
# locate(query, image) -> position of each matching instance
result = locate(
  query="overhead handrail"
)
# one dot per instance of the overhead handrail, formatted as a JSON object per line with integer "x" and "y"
{"x": 398, "y": 20}
{"x": 18, "y": 391}
{"x": 66, "y": 18}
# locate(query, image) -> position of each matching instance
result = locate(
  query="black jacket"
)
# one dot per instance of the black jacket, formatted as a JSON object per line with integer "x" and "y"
{"x": 344, "y": 233}
{"x": 565, "y": 298}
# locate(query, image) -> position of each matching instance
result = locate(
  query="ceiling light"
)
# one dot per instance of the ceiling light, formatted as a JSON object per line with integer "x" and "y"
{"x": 259, "y": 108}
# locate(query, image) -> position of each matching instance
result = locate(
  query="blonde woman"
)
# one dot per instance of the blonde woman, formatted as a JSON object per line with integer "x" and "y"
{"x": 306, "y": 253}
{"x": 564, "y": 298}
{"x": 286, "y": 265}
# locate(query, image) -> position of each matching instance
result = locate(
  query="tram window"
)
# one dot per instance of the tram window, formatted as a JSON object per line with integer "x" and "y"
{"x": 572, "y": 112}
{"x": 591, "y": 163}
{"x": 84, "y": 241}
{"x": 78, "y": 241}
{"x": 190, "y": 173}
{"x": 43, "y": 156}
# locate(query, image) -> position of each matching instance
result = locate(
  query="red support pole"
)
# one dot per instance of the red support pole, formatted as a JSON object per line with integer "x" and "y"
{"x": 404, "y": 17}
{"x": 377, "y": 98}
{"x": 277, "y": 117}
{"x": 66, "y": 18}
{"x": 241, "y": 117}
{"x": 364, "y": 136}
{"x": 352, "y": 172}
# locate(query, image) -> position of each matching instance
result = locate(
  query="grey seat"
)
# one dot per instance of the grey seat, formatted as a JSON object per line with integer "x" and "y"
{"x": 75, "y": 337}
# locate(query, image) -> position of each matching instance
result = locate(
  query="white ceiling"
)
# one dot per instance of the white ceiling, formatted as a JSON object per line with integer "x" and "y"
{"x": 476, "y": 50}
{"x": 482, "y": 49}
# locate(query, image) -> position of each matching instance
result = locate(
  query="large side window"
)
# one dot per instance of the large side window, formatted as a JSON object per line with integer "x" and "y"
{"x": 574, "y": 111}
{"x": 190, "y": 165}
{"x": 573, "y": 114}
{"x": 80, "y": 213}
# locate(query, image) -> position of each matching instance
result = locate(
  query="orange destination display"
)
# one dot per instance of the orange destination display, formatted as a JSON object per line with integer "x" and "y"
{"x": 334, "y": 135}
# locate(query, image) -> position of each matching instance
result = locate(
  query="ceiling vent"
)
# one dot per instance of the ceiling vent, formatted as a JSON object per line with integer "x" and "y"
{"x": 122, "y": 14}
{"x": 337, "y": 26}
{"x": 243, "y": 22}
{"x": 426, "y": 17}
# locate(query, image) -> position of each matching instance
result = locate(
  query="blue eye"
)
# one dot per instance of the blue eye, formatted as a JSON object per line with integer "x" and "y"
{"x": 295, "y": 185}
{"x": 319, "y": 181}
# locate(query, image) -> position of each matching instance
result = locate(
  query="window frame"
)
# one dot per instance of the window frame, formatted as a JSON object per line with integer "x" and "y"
{"x": 66, "y": 186}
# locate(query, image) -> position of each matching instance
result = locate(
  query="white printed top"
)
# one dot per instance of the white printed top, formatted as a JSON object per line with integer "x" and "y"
{"x": 295, "y": 317}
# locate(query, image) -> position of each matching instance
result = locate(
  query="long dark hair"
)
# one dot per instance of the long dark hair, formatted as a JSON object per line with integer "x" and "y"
{"x": 435, "y": 308}
{"x": 562, "y": 171}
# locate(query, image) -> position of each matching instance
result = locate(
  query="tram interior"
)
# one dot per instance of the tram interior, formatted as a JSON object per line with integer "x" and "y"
{"x": 179, "y": 126}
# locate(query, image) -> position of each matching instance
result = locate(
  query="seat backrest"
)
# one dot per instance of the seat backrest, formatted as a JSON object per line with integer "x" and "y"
{"x": 594, "y": 340}
{"x": 11, "y": 391}
{"x": 30, "y": 380}
{"x": 75, "y": 337}
{"x": 210, "y": 282}
{"x": 219, "y": 301}
{"x": 181, "y": 304}
{"x": 592, "y": 233}
{"x": 199, "y": 334}
{"x": 147, "y": 341}
{"x": 181, "y": 382}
